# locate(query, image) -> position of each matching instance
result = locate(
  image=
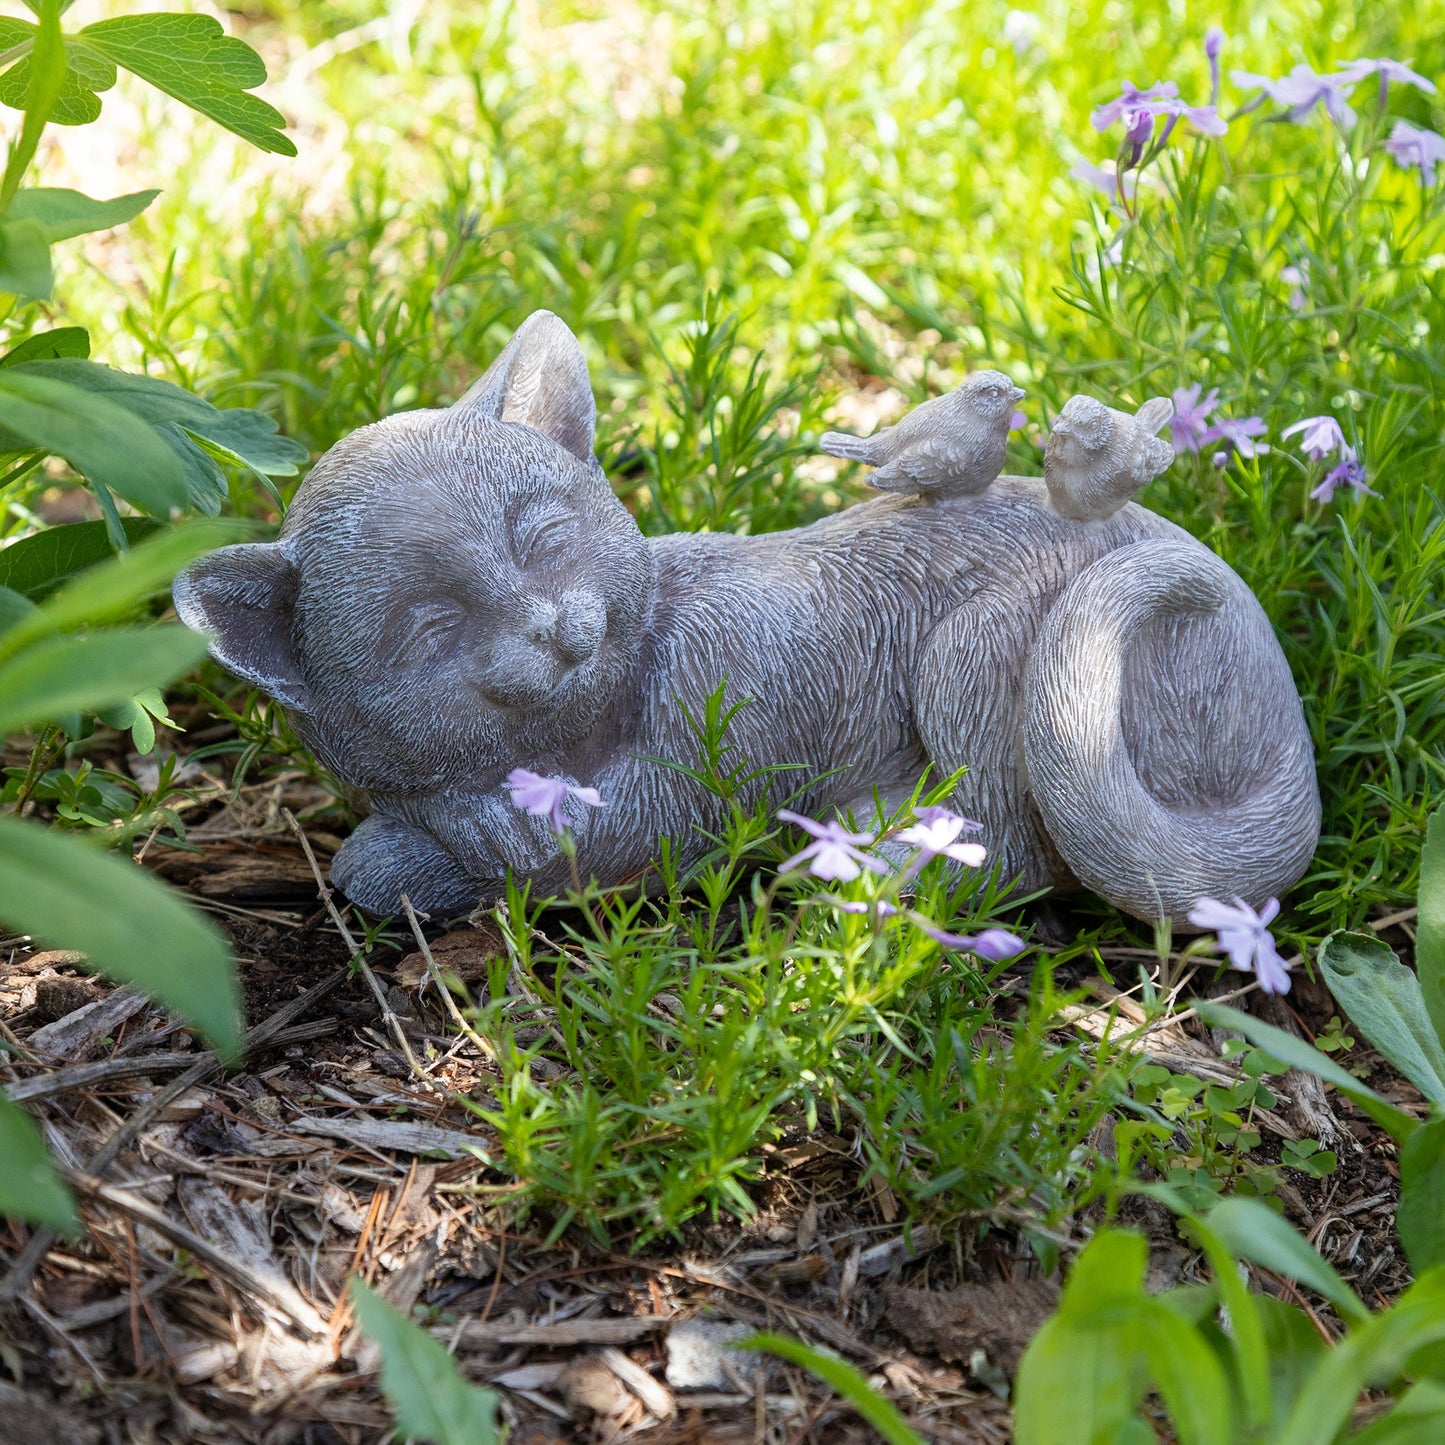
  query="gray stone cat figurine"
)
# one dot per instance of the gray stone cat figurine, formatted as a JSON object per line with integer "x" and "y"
{"x": 458, "y": 593}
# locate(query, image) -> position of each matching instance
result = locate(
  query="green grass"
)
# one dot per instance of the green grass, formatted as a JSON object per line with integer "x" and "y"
{"x": 750, "y": 213}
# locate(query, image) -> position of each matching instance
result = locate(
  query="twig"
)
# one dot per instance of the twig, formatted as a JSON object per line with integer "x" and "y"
{"x": 358, "y": 955}
{"x": 22, "y": 1271}
{"x": 458, "y": 1018}
{"x": 240, "y": 1274}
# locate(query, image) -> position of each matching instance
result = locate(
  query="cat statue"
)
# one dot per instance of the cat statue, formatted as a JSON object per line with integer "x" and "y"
{"x": 457, "y": 593}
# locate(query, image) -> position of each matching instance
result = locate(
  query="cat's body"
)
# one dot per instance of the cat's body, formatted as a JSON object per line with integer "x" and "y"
{"x": 456, "y": 594}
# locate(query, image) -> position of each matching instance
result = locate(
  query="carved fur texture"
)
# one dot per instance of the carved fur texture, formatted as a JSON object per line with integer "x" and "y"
{"x": 458, "y": 593}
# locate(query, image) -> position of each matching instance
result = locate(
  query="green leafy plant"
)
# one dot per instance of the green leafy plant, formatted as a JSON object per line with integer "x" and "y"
{"x": 136, "y": 440}
{"x": 1228, "y": 1365}
{"x": 431, "y": 1401}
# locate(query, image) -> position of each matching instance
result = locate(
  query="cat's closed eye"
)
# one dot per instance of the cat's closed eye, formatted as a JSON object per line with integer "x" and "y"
{"x": 542, "y": 535}
{"x": 426, "y": 632}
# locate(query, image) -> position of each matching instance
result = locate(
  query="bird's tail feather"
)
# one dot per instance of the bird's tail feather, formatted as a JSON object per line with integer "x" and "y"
{"x": 840, "y": 444}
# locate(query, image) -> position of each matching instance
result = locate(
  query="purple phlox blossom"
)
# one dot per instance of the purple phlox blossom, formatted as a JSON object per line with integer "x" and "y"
{"x": 1138, "y": 127}
{"x": 835, "y": 853}
{"x": 1191, "y": 415}
{"x": 1131, "y": 98}
{"x": 995, "y": 944}
{"x": 1244, "y": 935}
{"x": 1107, "y": 178}
{"x": 1409, "y": 146}
{"x": 1020, "y": 29}
{"x": 1239, "y": 433}
{"x": 1213, "y": 44}
{"x": 1204, "y": 118}
{"x": 1387, "y": 70}
{"x": 1219, "y": 460}
{"x": 1349, "y": 472}
{"x": 1301, "y": 91}
{"x": 936, "y": 833}
{"x": 1322, "y": 435}
{"x": 1016, "y": 420}
{"x": 544, "y": 797}
{"x": 990, "y": 943}
{"x": 1299, "y": 278}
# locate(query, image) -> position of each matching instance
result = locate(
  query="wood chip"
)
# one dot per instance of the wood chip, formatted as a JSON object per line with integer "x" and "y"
{"x": 481, "y": 1333}
{"x": 880, "y": 1258}
{"x": 97, "y": 1075}
{"x": 401, "y": 1136}
{"x": 655, "y": 1396}
{"x": 465, "y": 952}
{"x": 999, "y": 1319}
{"x": 79, "y": 1034}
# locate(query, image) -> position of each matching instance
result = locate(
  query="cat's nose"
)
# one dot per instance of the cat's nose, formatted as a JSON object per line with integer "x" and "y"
{"x": 539, "y": 622}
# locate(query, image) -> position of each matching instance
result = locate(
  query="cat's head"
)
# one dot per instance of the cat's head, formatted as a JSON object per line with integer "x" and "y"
{"x": 452, "y": 592}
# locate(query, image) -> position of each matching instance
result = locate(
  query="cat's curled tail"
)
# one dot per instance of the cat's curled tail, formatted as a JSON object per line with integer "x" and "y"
{"x": 1165, "y": 744}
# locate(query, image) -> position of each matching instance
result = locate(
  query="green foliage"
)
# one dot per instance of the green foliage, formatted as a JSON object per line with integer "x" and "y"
{"x": 1265, "y": 1376}
{"x": 844, "y": 1380}
{"x": 1384, "y": 1000}
{"x": 432, "y": 1403}
{"x": 29, "y": 1186}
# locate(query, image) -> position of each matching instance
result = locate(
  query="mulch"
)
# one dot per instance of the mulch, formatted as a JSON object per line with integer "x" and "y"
{"x": 225, "y": 1212}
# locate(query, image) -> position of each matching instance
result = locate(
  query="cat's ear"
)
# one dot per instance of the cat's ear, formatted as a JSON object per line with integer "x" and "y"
{"x": 242, "y": 599}
{"x": 540, "y": 380}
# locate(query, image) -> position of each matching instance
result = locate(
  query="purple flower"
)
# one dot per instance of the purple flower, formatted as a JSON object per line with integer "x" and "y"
{"x": 1299, "y": 278}
{"x": 1138, "y": 127}
{"x": 1107, "y": 178}
{"x": 835, "y": 853}
{"x": 1322, "y": 435}
{"x": 991, "y": 943}
{"x": 1205, "y": 118}
{"x": 1219, "y": 460}
{"x": 1410, "y": 146}
{"x": 1016, "y": 420}
{"x": 1213, "y": 44}
{"x": 1387, "y": 70}
{"x": 935, "y": 835}
{"x": 1131, "y": 98}
{"x": 1302, "y": 90}
{"x": 1349, "y": 473}
{"x": 544, "y": 796}
{"x": 1244, "y": 935}
{"x": 1239, "y": 434}
{"x": 1187, "y": 427}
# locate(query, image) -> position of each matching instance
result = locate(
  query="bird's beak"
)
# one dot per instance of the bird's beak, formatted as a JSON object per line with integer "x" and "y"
{"x": 1018, "y": 394}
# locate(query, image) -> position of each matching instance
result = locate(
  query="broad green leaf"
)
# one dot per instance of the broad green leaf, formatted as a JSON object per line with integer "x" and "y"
{"x": 99, "y": 439}
{"x": 1374, "y": 1354}
{"x": 1109, "y": 1270}
{"x": 1384, "y": 1000}
{"x": 15, "y": 608}
{"x": 251, "y": 437}
{"x": 421, "y": 1382}
{"x": 1420, "y": 1216}
{"x": 38, "y": 564}
{"x": 60, "y": 675}
{"x": 1246, "y": 1335}
{"x": 844, "y": 1381}
{"x": 24, "y": 259}
{"x": 181, "y": 418}
{"x": 1188, "y": 1375}
{"x": 1253, "y": 1231}
{"x": 44, "y": 84}
{"x": 1430, "y": 925}
{"x": 47, "y": 345}
{"x": 1079, "y": 1383}
{"x": 86, "y": 75}
{"x": 29, "y": 1186}
{"x": 63, "y": 214}
{"x": 116, "y": 587}
{"x": 192, "y": 59}
{"x": 128, "y": 925}
{"x": 1299, "y": 1055}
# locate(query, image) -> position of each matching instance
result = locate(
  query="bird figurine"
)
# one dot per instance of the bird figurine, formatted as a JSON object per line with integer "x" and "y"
{"x": 1097, "y": 458}
{"x": 950, "y": 446}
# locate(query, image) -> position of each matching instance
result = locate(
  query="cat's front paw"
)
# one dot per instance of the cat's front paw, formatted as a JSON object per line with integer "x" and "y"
{"x": 385, "y": 858}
